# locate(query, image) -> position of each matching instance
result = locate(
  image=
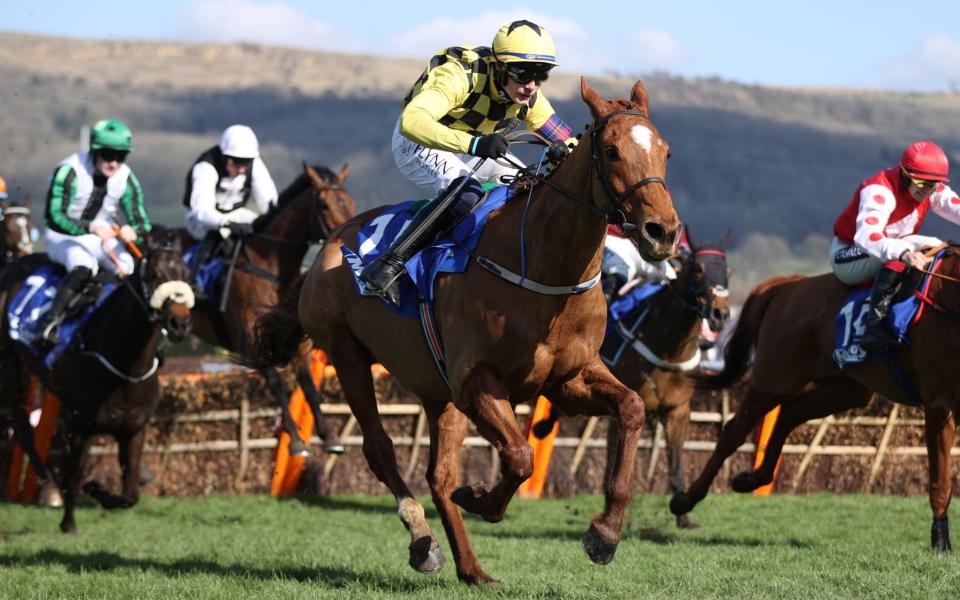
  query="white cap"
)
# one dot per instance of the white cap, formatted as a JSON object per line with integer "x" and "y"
{"x": 239, "y": 141}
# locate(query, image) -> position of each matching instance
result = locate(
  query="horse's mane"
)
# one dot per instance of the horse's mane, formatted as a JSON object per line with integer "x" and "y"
{"x": 290, "y": 193}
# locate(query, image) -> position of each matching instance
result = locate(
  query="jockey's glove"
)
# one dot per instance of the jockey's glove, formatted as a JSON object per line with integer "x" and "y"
{"x": 557, "y": 151}
{"x": 240, "y": 229}
{"x": 492, "y": 145}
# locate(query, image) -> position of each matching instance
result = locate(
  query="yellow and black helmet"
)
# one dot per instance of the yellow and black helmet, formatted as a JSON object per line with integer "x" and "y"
{"x": 525, "y": 42}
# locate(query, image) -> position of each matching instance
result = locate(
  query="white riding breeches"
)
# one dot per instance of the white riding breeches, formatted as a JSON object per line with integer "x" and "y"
{"x": 87, "y": 250}
{"x": 434, "y": 170}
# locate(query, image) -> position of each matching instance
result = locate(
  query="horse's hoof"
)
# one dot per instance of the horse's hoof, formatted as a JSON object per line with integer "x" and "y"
{"x": 598, "y": 549}
{"x": 745, "y": 482}
{"x": 49, "y": 496}
{"x": 940, "y": 535}
{"x": 298, "y": 448}
{"x": 466, "y": 496}
{"x": 479, "y": 578}
{"x": 542, "y": 429}
{"x": 681, "y": 503}
{"x": 68, "y": 527}
{"x": 684, "y": 522}
{"x": 425, "y": 555}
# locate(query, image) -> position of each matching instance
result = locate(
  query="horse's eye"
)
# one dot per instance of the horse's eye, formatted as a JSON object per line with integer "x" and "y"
{"x": 612, "y": 153}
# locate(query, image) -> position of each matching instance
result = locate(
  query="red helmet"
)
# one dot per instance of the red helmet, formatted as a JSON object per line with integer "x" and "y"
{"x": 925, "y": 160}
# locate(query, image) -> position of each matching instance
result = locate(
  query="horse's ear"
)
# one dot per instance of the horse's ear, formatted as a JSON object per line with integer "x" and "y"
{"x": 726, "y": 239}
{"x": 26, "y": 200}
{"x": 691, "y": 241}
{"x": 592, "y": 99}
{"x": 311, "y": 173}
{"x": 639, "y": 96}
{"x": 344, "y": 173}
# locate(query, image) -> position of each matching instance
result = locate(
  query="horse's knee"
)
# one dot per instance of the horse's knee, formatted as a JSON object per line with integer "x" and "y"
{"x": 632, "y": 414}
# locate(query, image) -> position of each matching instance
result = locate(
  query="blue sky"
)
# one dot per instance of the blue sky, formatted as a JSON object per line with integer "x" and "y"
{"x": 839, "y": 43}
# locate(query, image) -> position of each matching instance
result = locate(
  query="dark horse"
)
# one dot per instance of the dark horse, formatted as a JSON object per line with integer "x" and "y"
{"x": 505, "y": 344}
{"x": 656, "y": 345}
{"x": 267, "y": 263}
{"x": 788, "y": 323}
{"x": 107, "y": 380}
{"x": 17, "y": 231}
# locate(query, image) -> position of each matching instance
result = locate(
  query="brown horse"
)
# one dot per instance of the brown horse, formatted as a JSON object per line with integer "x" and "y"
{"x": 17, "y": 231}
{"x": 505, "y": 344}
{"x": 656, "y": 345}
{"x": 107, "y": 383}
{"x": 788, "y": 323}
{"x": 270, "y": 259}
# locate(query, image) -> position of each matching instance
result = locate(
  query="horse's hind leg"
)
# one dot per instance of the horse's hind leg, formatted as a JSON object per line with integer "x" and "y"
{"x": 353, "y": 363}
{"x": 485, "y": 400}
{"x": 130, "y": 455}
{"x": 74, "y": 452}
{"x": 824, "y": 398}
{"x": 675, "y": 425}
{"x": 331, "y": 442}
{"x": 298, "y": 446}
{"x": 939, "y": 428}
{"x": 448, "y": 428}
{"x": 755, "y": 405}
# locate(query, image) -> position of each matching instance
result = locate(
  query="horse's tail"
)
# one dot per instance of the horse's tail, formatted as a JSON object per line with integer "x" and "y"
{"x": 277, "y": 334}
{"x": 738, "y": 352}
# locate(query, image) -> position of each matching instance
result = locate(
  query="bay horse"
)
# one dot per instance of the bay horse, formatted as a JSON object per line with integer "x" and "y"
{"x": 788, "y": 322}
{"x": 106, "y": 381}
{"x": 660, "y": 344}
{"x": 17, "y": 231}
{"x": 269, "y": 260}
{"x": 505, "y": 344}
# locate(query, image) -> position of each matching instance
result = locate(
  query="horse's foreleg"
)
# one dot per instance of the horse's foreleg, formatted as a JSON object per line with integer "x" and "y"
{"x": 675, "y": 425}
{"x": 939, "y": 426}
{"x": 353, "y": 363}
{"x": 75, "y": 450}
{"x": 596, "y": 391}
{"x": 754, "y": 406}
{"x": 129, "y": 455}
{"x": 485, "y": 399}
{"x": 448, "y": 428}
{"x": 331, "y": 442}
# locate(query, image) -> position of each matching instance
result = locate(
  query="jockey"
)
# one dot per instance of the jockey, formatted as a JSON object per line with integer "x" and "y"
{"x": 455, "y": 116}
{"x": 876, "y": 233}
{"x": 622, "y": 264}
{"x": 86, "y": 190}
{"x": 220, "y": 184}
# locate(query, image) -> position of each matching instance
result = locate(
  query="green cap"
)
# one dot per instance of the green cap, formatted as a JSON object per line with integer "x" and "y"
{"x": 111, "y": 133}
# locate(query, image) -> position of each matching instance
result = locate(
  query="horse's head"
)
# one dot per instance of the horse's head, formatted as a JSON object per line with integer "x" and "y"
{"x": 164, "y": 278}
{"x": 333, "y": 206}
{"x": 17, "y": 230}
{"x": 705, "y": 272}
{"x": 630, "y": 160}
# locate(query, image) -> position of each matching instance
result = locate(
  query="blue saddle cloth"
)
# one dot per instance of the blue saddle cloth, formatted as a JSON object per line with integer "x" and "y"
{"x": 625, "y": 315}
{"x": 848, "y": 324}
{"x": 33, "y": 301}
{"x": 450, "y": 254}
{"x": 207, "y": 277}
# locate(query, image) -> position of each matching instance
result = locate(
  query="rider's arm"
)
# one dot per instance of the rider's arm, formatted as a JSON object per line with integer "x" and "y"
{"x": 133, "y": 209}
{"x": 203, "y": 199}
{"x": 543, "y": 119}
{"x": 946, "y": 203}
{"x": 63, "y": 187}
{"x": 876, "y": 205}
{"x": 264, "y": 190}
{"x": 446, "y": 88}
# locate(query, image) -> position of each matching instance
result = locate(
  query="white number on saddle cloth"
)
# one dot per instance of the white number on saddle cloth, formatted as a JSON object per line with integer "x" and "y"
{"x": 34, "y": 284}
{"x": 380, "y": 225}
{"x": 853, "y": 327}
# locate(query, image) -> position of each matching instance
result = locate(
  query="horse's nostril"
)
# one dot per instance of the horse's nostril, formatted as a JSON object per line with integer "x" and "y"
{"x": 654, "y": 231}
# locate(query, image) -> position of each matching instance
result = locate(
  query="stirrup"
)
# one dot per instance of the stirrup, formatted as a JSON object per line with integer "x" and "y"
{"x": 50, "y": 334}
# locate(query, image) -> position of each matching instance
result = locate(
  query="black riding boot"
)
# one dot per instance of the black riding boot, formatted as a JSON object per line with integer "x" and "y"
{"x": 429, "y": 224}
{"x": 876, "y": 338}
{"x": 70, "y": 288}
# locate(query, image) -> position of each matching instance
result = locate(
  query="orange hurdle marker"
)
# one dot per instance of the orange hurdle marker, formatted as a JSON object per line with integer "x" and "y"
{"x": 763, "y": 436}
{"x": 288, "y": 469}
{"x": 542, "y": 451}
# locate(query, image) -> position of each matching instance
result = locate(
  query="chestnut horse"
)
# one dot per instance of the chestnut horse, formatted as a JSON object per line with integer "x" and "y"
{"x": 307, "y": 211}
{"x": 789, "y": 323}
{"x": 17, "y": 231}
{"x": 106, "y": 382}
{"x": 663, "y": 347}
{"x": 505, "y": 344}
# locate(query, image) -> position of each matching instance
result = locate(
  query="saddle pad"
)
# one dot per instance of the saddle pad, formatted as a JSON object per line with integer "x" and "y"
{"x": 33, "y": 301}
{"x": 625, "y": 315}
{"x": 207, "y": 276}
{"x": 450, "y": 254}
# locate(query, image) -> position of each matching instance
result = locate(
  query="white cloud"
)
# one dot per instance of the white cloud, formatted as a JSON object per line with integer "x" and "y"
{"x": 652, "y": 50}
{"x": 933, "y": 66}
{"x": 274, "y": 23}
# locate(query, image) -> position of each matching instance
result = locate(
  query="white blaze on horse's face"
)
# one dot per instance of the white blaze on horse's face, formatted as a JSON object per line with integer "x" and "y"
{"x": 643, "y": 136}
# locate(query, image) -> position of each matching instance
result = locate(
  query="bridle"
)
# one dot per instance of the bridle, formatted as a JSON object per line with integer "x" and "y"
{"x": 615, "y": 216}
{"x": 695, "y": 290}
{"x": 25, "y": 243}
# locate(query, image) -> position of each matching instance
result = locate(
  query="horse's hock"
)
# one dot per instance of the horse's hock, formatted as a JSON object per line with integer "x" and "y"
{"x": 194, "y": 446}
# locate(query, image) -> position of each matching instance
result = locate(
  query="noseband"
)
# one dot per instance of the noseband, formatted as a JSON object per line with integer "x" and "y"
{"x": 696, "y": 290}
